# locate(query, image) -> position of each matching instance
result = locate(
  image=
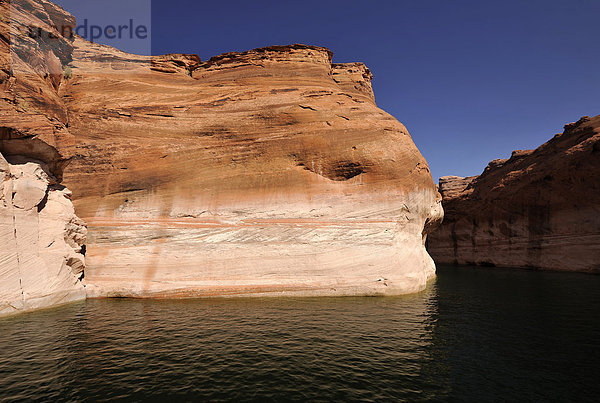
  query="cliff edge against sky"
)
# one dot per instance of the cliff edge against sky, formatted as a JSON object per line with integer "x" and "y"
{"x": 538, "y": 209}
{"x": 270, "y": 171}
{"x": 266, "y": 172}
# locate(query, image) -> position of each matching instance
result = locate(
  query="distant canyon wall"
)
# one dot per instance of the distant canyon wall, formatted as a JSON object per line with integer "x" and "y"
{"x": 539, "y": 209}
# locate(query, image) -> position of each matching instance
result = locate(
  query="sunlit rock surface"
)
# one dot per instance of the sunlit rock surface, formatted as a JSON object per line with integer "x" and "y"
{"x": 538, "y": 209}
{"x": 40, "y": 261}
{"x": 267, "y": 172}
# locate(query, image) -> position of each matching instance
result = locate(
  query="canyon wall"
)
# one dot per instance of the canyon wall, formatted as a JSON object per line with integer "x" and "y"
{"x": 538, "y": 209}
{"x": 266, "y": 172}
{"x": 41, "y": 238}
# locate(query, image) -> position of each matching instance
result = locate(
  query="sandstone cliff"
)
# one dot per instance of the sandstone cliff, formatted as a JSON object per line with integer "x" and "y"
{"x": 266, "y": 172}
{"x": 538, "y": 209}
{"x": 41, "y": 239}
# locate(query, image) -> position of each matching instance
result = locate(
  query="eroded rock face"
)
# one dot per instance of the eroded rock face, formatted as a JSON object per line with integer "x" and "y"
{"x": 40, "y": 260}
{"x": 267, "y": 172}
{"x": 41, "y": 238}
{"x": 538, "y": 209}
{"x": 33, "y": 55}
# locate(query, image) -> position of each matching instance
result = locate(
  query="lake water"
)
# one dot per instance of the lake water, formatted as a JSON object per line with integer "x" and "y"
{"x": 473, "y": 335}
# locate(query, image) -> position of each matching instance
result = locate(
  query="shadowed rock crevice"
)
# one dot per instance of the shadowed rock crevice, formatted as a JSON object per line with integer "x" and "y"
{"x": 341, "y": 171}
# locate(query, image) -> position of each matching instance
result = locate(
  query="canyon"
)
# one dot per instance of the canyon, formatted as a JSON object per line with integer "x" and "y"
{"x": 269, "y": 172}
{"x": 259, "y": 173}
{"x": 539, "y": 209}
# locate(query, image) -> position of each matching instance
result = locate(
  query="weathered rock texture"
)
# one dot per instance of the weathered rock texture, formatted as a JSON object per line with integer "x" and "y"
{"x": 267, "y": 172}
{"x": 41, "y": 239}
{"x": 538, "y": 209}
{"x": 40, "y": 261}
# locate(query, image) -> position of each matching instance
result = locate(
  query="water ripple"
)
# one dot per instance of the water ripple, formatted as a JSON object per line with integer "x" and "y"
{"x": 473, "y": 335}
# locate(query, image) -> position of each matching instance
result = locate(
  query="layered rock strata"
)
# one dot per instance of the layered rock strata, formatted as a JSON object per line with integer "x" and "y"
{"x": 538, "y": 209}
{"x": 41, "y": 238}
{"x": 267, "y": 172}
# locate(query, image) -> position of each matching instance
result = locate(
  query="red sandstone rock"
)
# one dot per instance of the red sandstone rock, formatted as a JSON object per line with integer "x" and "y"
{"x": 266, "y": 172}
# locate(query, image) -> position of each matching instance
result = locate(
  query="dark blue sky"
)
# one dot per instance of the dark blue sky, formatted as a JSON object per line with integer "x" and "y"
{"x": 472, "y": 80}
